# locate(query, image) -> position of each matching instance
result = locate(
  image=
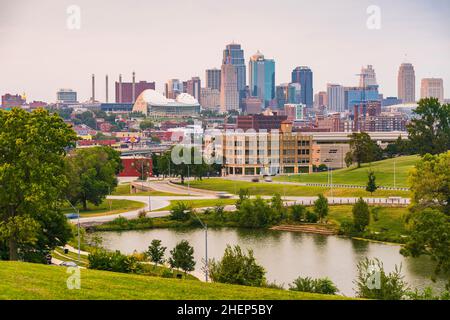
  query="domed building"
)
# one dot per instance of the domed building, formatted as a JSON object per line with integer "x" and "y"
{"x": 151, "y": 102}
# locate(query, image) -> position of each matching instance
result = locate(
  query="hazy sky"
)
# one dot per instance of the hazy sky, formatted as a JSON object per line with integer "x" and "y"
{"x": 182, "y": 38}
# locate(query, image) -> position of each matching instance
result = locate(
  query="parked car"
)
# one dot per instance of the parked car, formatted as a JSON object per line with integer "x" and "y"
{"x": 68, "y": 264}
{"x": 268, "y": 179}
{"x": 255, "y": 179}
{"x": 224, "y": 195}
{"x": 71, "y": 216}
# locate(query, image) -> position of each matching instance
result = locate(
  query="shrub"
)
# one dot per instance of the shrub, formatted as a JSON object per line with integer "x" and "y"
{"x": 321, "y": 207}
{"x": 142, "y": 214}
{"x": 236, "y": 267}
{"x": 180, "y": 211}
{"x": 298, "y": 212}
{"x": 323, "y": 285}
{"x": 361, "y": 215}
{"x": 311, "y": 217}
{"x": 120, "y": 221}
{"x": 244, "y": 194}
{"x": 101, "y": 259}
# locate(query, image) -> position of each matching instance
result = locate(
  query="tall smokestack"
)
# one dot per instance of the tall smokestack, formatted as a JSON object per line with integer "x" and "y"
{"x": 120, "y": 88}
{"x": 93, "y": 88}
{"x": 106, "y": 93}
{"x": 133, "y": 89}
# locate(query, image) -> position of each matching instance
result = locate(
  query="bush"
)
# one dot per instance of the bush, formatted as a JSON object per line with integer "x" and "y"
{"x": 236, "y": 267}
{"x": 180, "y": 211}
{"x": 255, "y": 213}
{"x": 142, "y": 214}
{"x": 361, "y": 215}
{"x": 323, "y": 285}
{"x": 120, "y": 221}
{"x": 321, "y": 207}
{"x": 298, "y": 212}
{"x": 311, "y": 217}
{"x": 113, "y": 261}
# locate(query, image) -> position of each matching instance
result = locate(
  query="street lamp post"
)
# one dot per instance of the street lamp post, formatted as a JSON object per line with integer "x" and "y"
{"x": 394, "y": 173}
{"x": 188, "y": 177}
{"x": 205, "y": 227}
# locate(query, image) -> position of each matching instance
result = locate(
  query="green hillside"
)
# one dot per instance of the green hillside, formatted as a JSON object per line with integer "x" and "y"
{"x": 384, "y": 172}
{"x": 35, "y": 281}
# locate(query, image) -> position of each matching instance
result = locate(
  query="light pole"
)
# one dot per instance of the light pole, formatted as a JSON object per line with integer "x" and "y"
{"x": 78, "y": 229}
{"x": 188, "y": 178}
{"x": 205, "y": 227}
{"x": 394, "y": 172}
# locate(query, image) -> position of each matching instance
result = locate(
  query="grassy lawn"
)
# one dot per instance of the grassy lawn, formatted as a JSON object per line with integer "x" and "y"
{"x": 201, "y": 203}
{"x": 390, "y": 224}
{"x": 117, "y": 206}
{"x": 124, "y": 190}
{"x": 384, "y": 172}
{"x": 268, "y": 189}
{"x": 35, "y": 281}
{"x": 59, "y": 254}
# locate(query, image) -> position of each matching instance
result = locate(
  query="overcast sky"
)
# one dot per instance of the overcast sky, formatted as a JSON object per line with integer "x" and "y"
{"x": 181, "y": 38}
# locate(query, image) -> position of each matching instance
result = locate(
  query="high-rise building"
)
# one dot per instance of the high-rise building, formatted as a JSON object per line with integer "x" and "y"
{"x": 173, "y": 88}
{"x": 287, "y": 93}
{"x": 127, "y": 92}
{"x": 229, "y": 94}
{"x": 406, "y": 83}
{"x": 357, "y": 95}
{"x": 13, "y": 100}
{"x": 253, "y": 105}
{"x": 336, "y": 97}
{"x": 262, "y": 77}
{"x": 233, "y": 54}
{"x": 367, "y": 77}
{"x": 320, "y": 100}
{"x": 432, "y": 88}
{"x": 193, "y": 87}
{"x": 210, "y": 99}
{"x": 304, "y": 76}
{"x": 212, "y": 78}
{"x": 66, "y": 96}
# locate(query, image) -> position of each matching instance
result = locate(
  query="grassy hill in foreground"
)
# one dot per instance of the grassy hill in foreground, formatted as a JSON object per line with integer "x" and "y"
{"x": 34, "y": 281}
{"x": 384, "y": 172}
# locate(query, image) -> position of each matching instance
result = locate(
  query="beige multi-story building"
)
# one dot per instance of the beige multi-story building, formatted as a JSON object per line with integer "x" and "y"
{"x": 267, "y": 152}
{"x": 210, "y": 99}
{"x": 432, "y": 88}
{"x": 229, "y": 94}
{"x": 406, "y": 84}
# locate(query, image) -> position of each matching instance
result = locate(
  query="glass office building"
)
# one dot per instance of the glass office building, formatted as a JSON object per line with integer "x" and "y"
{"x": 262, "y": 78}
{"x": 304, "y": 76}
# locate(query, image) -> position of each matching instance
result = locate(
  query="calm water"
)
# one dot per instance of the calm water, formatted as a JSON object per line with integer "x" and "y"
{"x": 285, "y": 255}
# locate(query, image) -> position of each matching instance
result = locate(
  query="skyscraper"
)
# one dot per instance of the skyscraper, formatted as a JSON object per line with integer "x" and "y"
{"x": 212, "y": 78}
{"x": 229, "y": 94}
{"x": 304, "y": 76}
{"x": 336, "y": 97}
{"x": 367, "y": 77}
{"x": 173, "y": 88}
{"x": 233, "y": 54}
{"x": 432, "y": 88}
{"x": 262, "y": 77}
{"x": 193, "y": 87}
{"x": 406, "y": 85}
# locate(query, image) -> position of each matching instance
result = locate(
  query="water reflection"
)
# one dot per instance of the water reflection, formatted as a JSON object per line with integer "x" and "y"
{"x": 286, "y": 255}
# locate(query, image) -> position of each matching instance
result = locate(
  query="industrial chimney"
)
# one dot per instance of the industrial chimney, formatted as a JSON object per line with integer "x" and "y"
{"x": 93, "y": 88}
{"x": 133, "y": 88}
{"x": 120, "y": 88}
{"x": 106, "y": 93}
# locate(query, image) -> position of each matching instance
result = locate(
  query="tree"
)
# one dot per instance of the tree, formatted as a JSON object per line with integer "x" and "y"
{"x": 92, "y": 174}
{"x": 323, "y": 285}
{"x": 181, "y": 211}
{"x": 374, "y": 283}
{"x": 321, "y": 207}
{"x": 156, "y": 252}
{"x": 244, "y": 194}
{"x": 430, "y": 183}
{"x": 298, "y": 212}
{"x": 32, "y": 149}
{"x": 430, "y": 236}
{"x": 182, "y": 257}
{"x": 362, "y": 149}
{"x": 142, "y": 166}
{"x": 429, "y": 130}
{"x": 255, "y": 213}
{"x": 279, "y": 211}
{"x": 371, "y": 183}
{"x": 361, "y": 215}
{"x": 237, "y": 267}
{"x": 146, "y": 124}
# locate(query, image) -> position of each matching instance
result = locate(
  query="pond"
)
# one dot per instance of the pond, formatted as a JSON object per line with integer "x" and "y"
{"x": 285, "y": 255}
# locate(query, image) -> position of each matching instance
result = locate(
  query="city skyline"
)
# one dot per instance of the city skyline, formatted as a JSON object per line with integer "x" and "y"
{"x": 66, "y": 58}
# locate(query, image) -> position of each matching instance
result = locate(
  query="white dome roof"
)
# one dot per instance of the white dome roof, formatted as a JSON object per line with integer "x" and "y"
{"x": 154, "y": 97}
{"x": 186, "y": 98}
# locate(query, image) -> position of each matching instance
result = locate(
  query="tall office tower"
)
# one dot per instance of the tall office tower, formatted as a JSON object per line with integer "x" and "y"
{"x": 212, "y": 78}
{"x": 262, "y": 77}
{"x": 229, "y": 94}
{"x": 336, "y": 97}
{"x": 66, "y": 96}
{"x": 173, "y": 88}
{"x": 406, "y": 83}
{"x": 432, "y": 88}
{"x": 287, "y": 93}
{"x": 304, "y": 76}
{"x": 193, "y": 87}
{"x": 234, "y": 55}
{"x": 367, "y": 77}
{"x": 320, "y": 100}
{"x": 210, "y": 99}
